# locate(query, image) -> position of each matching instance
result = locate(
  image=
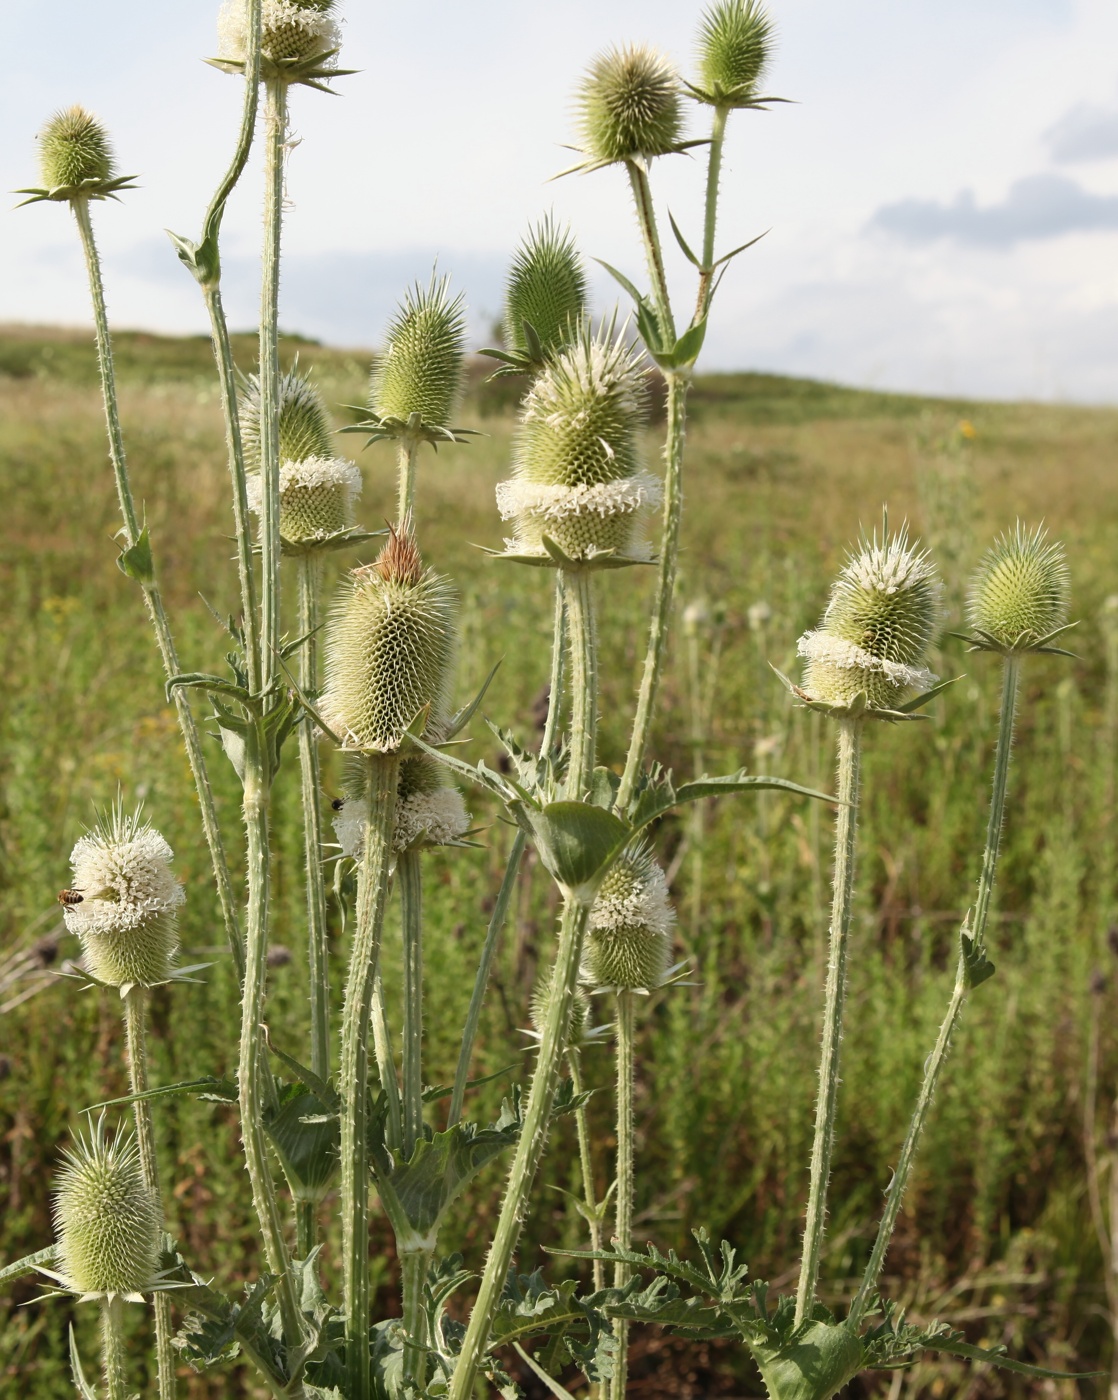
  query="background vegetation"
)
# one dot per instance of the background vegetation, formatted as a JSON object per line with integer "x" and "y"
{"x": 780, "y": 475}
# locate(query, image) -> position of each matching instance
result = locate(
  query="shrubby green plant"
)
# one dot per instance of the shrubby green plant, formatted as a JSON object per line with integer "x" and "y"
{"x": 579, "y": 498}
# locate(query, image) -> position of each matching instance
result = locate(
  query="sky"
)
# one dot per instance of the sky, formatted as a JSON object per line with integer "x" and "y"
{"x": 938, "y": 199}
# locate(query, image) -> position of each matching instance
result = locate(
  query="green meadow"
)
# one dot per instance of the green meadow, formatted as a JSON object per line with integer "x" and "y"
{"x": 996, "y": 1235}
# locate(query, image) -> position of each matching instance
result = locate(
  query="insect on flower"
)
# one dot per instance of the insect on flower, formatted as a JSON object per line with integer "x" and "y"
{"x": 70, "y": 896}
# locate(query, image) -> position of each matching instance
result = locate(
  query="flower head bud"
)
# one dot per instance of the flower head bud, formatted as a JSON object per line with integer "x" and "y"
{"x": 74, "y": 150}
{"x": 429, "y": 810}
{"x": 107, "y": 1220}
{"x": 127, "y": 917}
{"x": 878, "y": 625}
{"x": 735, "y": 43}
{"x": 540, "y": 1003}
{"x": 630, "y": 932}
{"x": 547, "y": 289}
{"x": 290, "y": 29}
{"x": 389, "y": 649}
{"x": 577, "y": 473}
{"x": 629, "y": 107}
{"x": 1019, "y": 593}
{"x": 420, "y": 370}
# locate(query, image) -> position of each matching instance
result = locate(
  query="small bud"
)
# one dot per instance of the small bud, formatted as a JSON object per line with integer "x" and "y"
{"x": 127, "y": 919}
{"x": 420, "y": 370}
{"x": 878, "y": 625}
{"x": 290, "y": 29}
{"x": 74, "y": 149}
{"x": 1019, "y": 593}
{"x": 107, "y": 1221}
{"x": 547, "y": 288}
{"x": 577, "y": 473}
{"x": 629, "y": 106}
{"x": 735, "y": 43}
{"x": 540, "y": 1003}
{"x": 630, "y": 933}
{"x": 389, "y": 649}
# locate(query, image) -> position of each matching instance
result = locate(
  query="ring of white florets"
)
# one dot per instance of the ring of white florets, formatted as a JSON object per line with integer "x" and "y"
{"x": 440, "y": 818}
{"x": 125, "y": 876}
{"x": 315, "y": 474}
{"x": 524, "y": 501}
{"x": 319, "y": 27}
{"x": 837, "y": 651}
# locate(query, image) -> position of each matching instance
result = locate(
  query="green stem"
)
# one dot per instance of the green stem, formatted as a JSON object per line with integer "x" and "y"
{"x": 317, "y": 944}
{"x": 386, "y": 1069}
{"x": 512, "y": 870}
{"x": 665, "y": 587}
{"x": 849, "y": 754}
{"x": 413, "y": 1268}
{"x": 112, "y": 1348}
{"x": 714, "y": 174}
{"x": 623, "y": 1233}
{"x": 306, "y": 1228}
{"x": 650, "y": 236}
{"x": 578, "y": 591}
{"x": 410, "y": 875}
{"x": 406, "y": 460}
{"x": 152, "y": 596}
{"x": 275, "y": 136}
{"x": 935, "y": 1062}
{"x": 382, "y": 774}
{"x": 586, "y": 1158}
{"x": 135, "y": 1034}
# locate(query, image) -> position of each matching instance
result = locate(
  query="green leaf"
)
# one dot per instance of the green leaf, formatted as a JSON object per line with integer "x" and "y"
{"x": 997, "y": 1356}
{"x": 212, "y": 685}
{"x": 622, "y": 280}
{"x": 136, "y": 561}
{"x": 462, "y": 717}
{"x": 978, "y": 966}
{"x": 83, "y": 1387}
{"x": 726, "y": 257}
{"x": 687, "y": 347}
{"x": 814, "y": 1364}
{"x": 305, "y": 1134}
{"x": 679, "y": 238}
{"x": 559, "y": 1391}
{"x": 658, "y": 794}
{"x": 29, "y": 1263}
{"x": 919, "y": 701}
{"x": 201, "y": 259}
{"x": 218, "y": 1090}
{"x": 577, "y": 843}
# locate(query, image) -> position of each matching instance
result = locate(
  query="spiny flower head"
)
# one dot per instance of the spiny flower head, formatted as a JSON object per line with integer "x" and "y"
{"x": 127, "y": 917}
{"x": 1020, "y": 591}
{"x": 74, "y": 149}
{"x": 877, "y": 627}
{"x": 106, "y": 1219}
{"x": 304, "y": 426}
{"x": 629, "y": 106}
{"x": 429, "y": 810}
{"x": 577, "y": 474}
{"x": 389, "y": 649}
{"x": 420, "y": 370}
{"x": 629, "y": 938}
{"x": 735, "y": 43}
{"x": 290, "y": 29}
{"x": 540, "y": 1003}
{"x": 547, "y": 288}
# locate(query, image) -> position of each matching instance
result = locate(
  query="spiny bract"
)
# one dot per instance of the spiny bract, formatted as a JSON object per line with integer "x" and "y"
{"x": 389, "y": 649}
{"x": 877, "y": 628}
{"x": 735, "y": 40}
{"x": 629, "y": 107}
{"x": 74, "y": 148}
{"x": 107, "y": 1221}
{"x": 127, "y": 918}
{"x": 290, "y": 29}
{"x": 420, "y": 370}
{"x": 629, "y": 938}
{"x": 577, "y": 476}
{"x": 1020, "y": 591}
{"x": 547, "y": 288}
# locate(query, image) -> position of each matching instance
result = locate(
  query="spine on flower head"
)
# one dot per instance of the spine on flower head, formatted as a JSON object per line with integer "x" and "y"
{"x": 126, "y": 916}
{"x": 389, "y": 651}
{"x": 577, "y": 476}
{"x": 735, "y": 44}
{"x": 629, "y": 106}
{"x": 876, "y": 630}
{"x": 290, "y": 30}
{"x": 420, "y": 369}
{"x": 107, "y": 1221}
{"x": 74, "y": 150}
{"x": 546, "y": 290}
{"x": 630, "y": 933}
{"x": 1019, "y": 594}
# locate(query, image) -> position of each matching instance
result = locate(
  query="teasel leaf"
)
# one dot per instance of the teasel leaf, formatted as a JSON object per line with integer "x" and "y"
{"x": 81, "y": 1385}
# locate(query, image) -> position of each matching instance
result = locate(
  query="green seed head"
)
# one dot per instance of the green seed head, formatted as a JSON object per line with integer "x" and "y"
{"x": 630, "y": 934}
{"x": 73, "y": 148}
{"x": 290, "y": 29}
{"x": 304, "y": 426}
{"x": 1019, "y": 593}
{"x": 629, "y": 107}
{"x": 316, "y": 496}
{"x": 577, "y": 468}
{"x": 127, "y": 917}
{"x": 389, "y": 649}
{"x": 540, "y": 1003}
{"x": 107, "y": 1221}
{"x": 735, "y": 44}
{"x": 877, "y": 628}
{"x": 546, "y": 288}
{"x": 420, "y": 370}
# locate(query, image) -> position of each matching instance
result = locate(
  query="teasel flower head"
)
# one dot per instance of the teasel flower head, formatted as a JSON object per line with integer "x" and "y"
{"x": 417, "y": 380}
{"x": 76, "y": 159}
{"x": 127, "y": 916}
{"x": 429, "y": 810}
{"x": 317, "y": 490}
{"x": 389, "y": 650}
{"x": 545, "y": 296}
{"x": 629, "y": 937}
{"x": 540, "y": 1003}
{"x": 298, "y": 43}
{"x": 1019, "y": 595}
{"x": 577, "y": 476}
{"x": 869, "y": 649}
{"x": 107, "y": 1221}
{"x": 735, "y": 45}
{"x": 629, "y": 106}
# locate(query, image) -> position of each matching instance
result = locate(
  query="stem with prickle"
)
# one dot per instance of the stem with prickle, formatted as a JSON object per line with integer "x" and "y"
{"x": 317, "y": 944}
{"x": 849, "y": 755}
{"x": 413, "y": 1268}
{"x": 586, "y": 1160}
{"x": 714, "y": 174}
{"x": 623, "y": 1234}
{"x": 386, "y": 1068}
{"x": 406, "y": 460}
{"x": 275, "y": 136}
{"x": 381, "y": 777}
{"x": 112, "y": 1347}
{"x": 582, "y": 628}
{"x": 410, "y": 875}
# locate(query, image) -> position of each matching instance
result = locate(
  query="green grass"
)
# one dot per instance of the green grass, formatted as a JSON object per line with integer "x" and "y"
{"x": 780, "y": 475}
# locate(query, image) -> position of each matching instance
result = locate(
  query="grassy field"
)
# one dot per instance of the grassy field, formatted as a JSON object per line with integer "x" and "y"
{"x": 781, "y": 473}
